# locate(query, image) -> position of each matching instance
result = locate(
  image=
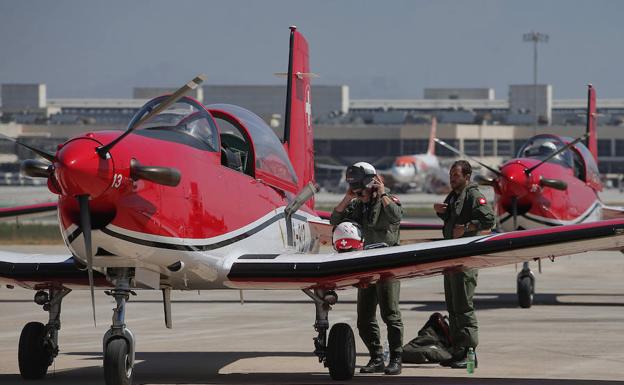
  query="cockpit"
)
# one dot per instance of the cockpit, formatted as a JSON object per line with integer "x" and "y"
{"x": 185, "y": 117}
{"x": 541, "y": 147}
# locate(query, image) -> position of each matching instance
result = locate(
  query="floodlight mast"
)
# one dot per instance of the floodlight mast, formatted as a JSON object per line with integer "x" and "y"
{"x": 535, "y": 38}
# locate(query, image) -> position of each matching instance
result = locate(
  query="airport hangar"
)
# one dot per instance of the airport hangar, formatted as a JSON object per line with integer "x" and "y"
{"x": 346, "y": 130}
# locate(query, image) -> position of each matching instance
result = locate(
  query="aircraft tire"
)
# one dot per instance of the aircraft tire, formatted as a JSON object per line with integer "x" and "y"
{"x": 33, "y": 358}
{"x": 117, "y": 369}
{"x": 341, "y": 352}
{"x": 525, "y": 292}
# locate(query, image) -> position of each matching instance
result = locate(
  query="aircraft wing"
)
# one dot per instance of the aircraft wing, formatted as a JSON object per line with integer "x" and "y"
{"x": 612, "y": 212}
{"x": 301, "y": 271}
{"x": 39, "y": 209}
{"x": 410, "y": 232}
{"x": 34, "y": 271}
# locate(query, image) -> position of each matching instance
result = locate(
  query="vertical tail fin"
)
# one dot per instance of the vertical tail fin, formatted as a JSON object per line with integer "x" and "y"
{"x": 298, "y": 136}
{"x": 592, "y": 117}
{"x": 432, "y": 135}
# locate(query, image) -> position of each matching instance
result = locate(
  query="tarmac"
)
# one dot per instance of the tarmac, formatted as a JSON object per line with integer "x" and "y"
{"x": 574, "y": 333}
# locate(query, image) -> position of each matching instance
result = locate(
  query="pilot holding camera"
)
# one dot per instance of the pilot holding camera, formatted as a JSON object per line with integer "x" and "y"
{"x": 368, "y": 204}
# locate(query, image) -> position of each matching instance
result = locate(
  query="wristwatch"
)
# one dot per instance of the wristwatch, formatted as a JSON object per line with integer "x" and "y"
{"x": 383, "y": 195}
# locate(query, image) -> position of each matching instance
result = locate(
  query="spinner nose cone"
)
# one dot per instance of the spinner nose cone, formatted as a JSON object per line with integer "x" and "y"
{"x": 515, "y": 182}
{"x": 81, "y": 171}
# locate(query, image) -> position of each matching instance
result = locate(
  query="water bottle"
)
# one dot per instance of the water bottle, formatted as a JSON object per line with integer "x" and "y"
{"x": 470, "y": 364}
{"x": 386, "y": 352}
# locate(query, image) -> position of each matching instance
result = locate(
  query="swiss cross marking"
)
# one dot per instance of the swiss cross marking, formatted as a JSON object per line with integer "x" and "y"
{"x": 482, "y": 201}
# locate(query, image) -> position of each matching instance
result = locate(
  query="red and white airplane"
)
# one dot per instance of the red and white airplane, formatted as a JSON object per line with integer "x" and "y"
{"x": 553, "y": 181}
{"x": 207, "y": 197}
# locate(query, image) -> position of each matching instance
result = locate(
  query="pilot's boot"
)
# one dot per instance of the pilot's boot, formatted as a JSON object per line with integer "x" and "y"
{"x": 394, "y": 366}
{"x": 375, "y": 365}
{"x": 462, "y": 363}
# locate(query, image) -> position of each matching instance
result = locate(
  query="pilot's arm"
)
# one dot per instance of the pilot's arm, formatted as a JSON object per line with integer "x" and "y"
{"x": 482, "y": 215}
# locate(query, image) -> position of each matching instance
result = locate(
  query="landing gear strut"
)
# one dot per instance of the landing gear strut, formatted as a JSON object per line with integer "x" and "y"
{"x": 118, "y": 343}
{"x": 338, "y": 352}
{"x": 525, "y": 286}
{"x": 38, "y": 343}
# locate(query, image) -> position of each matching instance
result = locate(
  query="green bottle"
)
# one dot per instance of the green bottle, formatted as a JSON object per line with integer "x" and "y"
{"x": 470, "y": 364}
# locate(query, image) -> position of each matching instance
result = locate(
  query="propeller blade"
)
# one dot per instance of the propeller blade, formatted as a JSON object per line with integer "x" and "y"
{"x": 460, "y": 153}
{"x": 557, "y": 184}
{"x": 562, "y": 149}
{"x": 484, "y": 181}
{"x": 514, "y": 212}
{"x": 41, "y": 153}
{"x": 36, "y": 169}
{"x": 85, "y": 223}
{"x": 167, "y": 176}
{"x": 103, "y": 150}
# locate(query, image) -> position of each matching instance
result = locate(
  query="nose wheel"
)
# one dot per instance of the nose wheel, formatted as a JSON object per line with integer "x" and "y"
{"x": 119, "y": 343}
{"x": 525, "y": 286}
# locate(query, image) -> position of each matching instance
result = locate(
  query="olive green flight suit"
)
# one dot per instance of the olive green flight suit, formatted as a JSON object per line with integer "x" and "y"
{"x": 471, "y": 207}
{"x": 379, "y": 224}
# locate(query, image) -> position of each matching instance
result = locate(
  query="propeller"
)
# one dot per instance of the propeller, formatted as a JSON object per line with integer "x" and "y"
{"x": 167, "y": 176}
{"x": 461, "y": 153}
{"x": 85, "y": 224}
{"x": 103, "y": 150}
{"x": 36, "y": 169}
{"x": 85, "y": 171}
{"x": 557, "y": 184}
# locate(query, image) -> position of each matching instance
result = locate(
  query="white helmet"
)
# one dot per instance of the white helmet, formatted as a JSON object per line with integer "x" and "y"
{"x": 347, "y": 236}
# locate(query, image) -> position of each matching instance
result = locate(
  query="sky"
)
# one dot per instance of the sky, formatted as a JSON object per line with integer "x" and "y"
{"x": 389, "y": 49}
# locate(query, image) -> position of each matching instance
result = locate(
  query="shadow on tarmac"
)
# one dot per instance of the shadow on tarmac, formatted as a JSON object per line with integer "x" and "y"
{"x": 203, "y": 368}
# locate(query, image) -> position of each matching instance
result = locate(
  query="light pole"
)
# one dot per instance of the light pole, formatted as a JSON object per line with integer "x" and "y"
{"x": 535, "y": 37}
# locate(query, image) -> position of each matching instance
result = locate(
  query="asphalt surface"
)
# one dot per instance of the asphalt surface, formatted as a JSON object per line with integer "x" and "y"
{"x": 574, "y": 334}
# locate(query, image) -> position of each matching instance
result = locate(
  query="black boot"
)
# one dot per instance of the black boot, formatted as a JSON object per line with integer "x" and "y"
{"x": 462, "y": 362}
{"x": 394, "y": 366}
{"x": 375, "y": 365}
{"x": 457, "y": 354}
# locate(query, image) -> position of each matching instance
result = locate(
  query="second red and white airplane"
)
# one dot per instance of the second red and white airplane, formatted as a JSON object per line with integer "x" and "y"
{"x": 207, "y": 197}
{"x": 553, "y": 181}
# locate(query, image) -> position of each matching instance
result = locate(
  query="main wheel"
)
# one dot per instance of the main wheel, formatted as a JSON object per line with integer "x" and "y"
{"x": 117, "y": 369}
{"x": 32, "y": 356}
{"x": 525, "y": 292}
{"x": 341, "y": 352}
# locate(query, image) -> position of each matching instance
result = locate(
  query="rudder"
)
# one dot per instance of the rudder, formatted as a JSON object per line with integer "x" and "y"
{"x": 298, "y": 135}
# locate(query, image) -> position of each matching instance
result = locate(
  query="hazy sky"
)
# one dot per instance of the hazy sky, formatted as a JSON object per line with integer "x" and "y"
{"x": 380, "y": 49}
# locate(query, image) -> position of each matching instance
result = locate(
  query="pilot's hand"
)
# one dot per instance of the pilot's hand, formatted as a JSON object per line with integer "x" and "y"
{"x": 350, "y": 195}
{"x": 440, "y": 208}
{"x": 458, "y": 231}
{"x": 378, "y": 185}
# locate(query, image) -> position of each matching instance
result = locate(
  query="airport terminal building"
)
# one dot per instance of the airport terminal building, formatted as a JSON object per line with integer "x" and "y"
{"x": 346, "y": 130}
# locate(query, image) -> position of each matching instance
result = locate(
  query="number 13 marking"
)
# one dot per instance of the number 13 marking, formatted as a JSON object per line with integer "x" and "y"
{"x": 117, "y": 180}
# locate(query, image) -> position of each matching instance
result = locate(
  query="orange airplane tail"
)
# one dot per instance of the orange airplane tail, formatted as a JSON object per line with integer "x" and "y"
{"x": 298, "y": 136}
{"x": 432, "y": 135}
